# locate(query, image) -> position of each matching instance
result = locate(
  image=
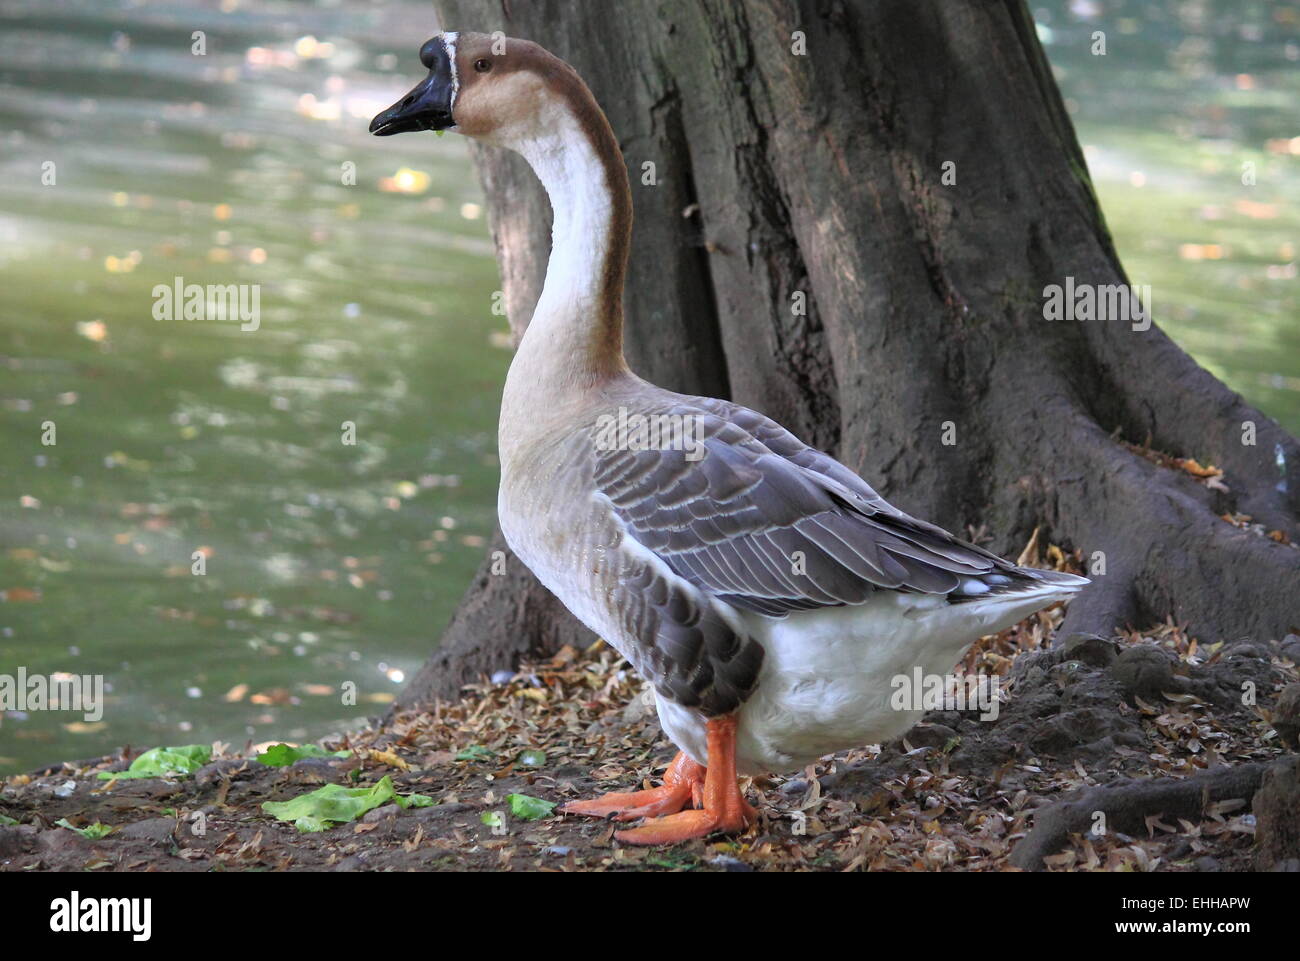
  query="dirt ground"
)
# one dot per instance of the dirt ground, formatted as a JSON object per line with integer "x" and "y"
{"x": 957, "y": 793}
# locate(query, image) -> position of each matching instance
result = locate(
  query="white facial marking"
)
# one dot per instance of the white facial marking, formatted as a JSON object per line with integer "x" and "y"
{"x": 449, "y": 44}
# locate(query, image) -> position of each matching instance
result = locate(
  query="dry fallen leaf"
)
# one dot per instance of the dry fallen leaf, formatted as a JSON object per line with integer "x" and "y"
{"x": 389, "y": 758}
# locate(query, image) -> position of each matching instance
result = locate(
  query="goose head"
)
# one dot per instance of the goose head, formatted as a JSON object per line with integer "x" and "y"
{"x": 515, "y": 94}
{"x": 499, "y": 90}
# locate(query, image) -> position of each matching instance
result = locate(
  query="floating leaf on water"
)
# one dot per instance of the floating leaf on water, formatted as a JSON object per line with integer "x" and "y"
{"x": 20, "y": 595}
{"x": 85, "y": 727}
{"x": 95, "y": 330}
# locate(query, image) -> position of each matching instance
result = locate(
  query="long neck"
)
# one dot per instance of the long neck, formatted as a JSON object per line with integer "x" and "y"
{"x": 576, "y": 333}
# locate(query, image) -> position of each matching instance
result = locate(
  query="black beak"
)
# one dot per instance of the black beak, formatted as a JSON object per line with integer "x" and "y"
{"x": 428, "y": 106}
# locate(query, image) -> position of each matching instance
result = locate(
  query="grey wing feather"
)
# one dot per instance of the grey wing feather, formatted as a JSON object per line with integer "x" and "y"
{"x": 766, "y": 523}
{"x": 693, "y": 656}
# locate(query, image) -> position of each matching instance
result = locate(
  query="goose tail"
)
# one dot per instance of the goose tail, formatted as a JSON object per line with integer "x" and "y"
{"x": 1001, "y": 598}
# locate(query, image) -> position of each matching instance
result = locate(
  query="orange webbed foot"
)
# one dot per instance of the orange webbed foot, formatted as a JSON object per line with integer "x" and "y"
{"x": 681, "y": 785}
{"x": 722, "y": 808}
{"x": 634, "y": 804}
{"x": 687, "y": 825}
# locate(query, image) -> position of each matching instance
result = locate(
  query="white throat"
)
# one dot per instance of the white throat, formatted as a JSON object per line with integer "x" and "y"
{"x": 565, "y": 161}
{"x": 566, "y": 317}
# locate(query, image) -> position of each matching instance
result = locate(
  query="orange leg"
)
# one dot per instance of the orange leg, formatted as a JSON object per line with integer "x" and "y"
{"x": 724, "y": 809}
{"x": 682, "y": 782}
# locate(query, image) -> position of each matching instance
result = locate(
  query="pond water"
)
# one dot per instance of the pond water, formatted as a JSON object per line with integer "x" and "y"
{"x": 331, "y": 563}
{"x": 1189, "y": 99}
{"x": 326, "y": 562}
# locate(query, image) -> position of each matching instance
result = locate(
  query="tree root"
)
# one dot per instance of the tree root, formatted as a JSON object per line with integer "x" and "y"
{"x": 1127, "y": 804}
{"x": 1277, "y": 817}
{"x": 1168, "y": 552}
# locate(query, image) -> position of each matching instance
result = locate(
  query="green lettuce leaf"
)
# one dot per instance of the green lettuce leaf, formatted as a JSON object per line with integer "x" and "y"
{"x": 335, "y": 804}
{"x": 92, "y": 833}
{"x": 529, "y": 808}
{"x": 166, "y": 762}
{"x": 282, "y": 755}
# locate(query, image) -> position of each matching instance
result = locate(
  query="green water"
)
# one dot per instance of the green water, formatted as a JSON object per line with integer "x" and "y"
{"x": 331, "y": 564}
{"x": 1186, "y": 95}
{"x": 326, "y": 562}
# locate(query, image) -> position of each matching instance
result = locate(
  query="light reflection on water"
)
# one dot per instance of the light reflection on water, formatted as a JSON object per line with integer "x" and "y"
{"x": 326, "y": 562}
{"x": 1189, "y": 98}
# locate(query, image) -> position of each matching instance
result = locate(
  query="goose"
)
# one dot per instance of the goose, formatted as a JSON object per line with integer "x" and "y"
{"x": 767, "y": 593}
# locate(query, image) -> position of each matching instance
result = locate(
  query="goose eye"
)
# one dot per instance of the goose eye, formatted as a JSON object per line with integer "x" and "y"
{"x": 482, "y": 66}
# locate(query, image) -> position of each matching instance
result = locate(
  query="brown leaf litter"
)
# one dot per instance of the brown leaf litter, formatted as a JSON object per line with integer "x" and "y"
{"x": 956, "y": 793}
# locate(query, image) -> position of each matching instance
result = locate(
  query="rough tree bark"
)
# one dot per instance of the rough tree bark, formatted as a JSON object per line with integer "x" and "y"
{"x": 779, "y": 173}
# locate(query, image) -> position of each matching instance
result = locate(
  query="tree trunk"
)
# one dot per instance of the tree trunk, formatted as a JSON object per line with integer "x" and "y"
{"x": 783, "y": 177}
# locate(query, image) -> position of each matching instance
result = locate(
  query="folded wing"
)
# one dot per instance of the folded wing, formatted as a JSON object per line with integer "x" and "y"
{"x": 749, "y": 514}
